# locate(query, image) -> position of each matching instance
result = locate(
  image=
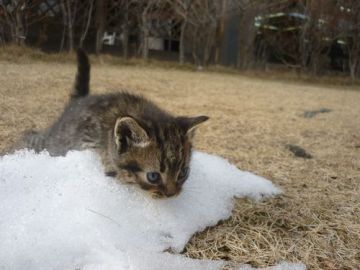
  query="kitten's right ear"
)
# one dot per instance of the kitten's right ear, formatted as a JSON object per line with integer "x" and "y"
{"x": 190, "y": 123}
{"x": 128, "y": 133}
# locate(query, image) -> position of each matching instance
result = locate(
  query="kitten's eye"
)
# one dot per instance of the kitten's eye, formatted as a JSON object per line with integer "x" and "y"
{"x": 153, "y": 177}
{"x": 184, "y": 173}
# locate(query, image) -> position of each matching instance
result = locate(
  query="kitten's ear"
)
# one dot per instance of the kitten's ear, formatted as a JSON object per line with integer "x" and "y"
{"x": 128, "y": 132}
{"x": 190, "y": 123}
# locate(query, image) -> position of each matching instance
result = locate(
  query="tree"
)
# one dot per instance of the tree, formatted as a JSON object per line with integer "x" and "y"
{"x": 349, "y": 31}
{"x": 100, "y": 24}
{"x": 182, "y": 9}
{"x": 203, "y": 21}
{"x": 248, "y": 11}
{"x": 206, "y": 20}
{"x": 69, "y": 10}
{"x": 150, "y": 16}
{"x": 86, "y": 21}
{"x": 17, "y": 15}
{"x": 119, "y": 18}
{"x": 317, "y": 34}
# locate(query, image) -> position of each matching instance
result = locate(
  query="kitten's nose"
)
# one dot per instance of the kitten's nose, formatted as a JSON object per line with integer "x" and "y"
{"x": 171, "y": 190}
{"x": 170, "y": 193}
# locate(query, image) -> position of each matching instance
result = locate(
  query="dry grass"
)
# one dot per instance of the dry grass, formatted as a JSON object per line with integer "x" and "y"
{"x": 316, "y": 221}
{"x": 18, "y": 54}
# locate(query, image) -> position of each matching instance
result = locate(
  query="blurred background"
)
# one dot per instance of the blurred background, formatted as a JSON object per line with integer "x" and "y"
{"x": 315, "y": 37}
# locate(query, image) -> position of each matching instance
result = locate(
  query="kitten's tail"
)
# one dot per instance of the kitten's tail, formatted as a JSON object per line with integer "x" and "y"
{"x": 81, "y": 87}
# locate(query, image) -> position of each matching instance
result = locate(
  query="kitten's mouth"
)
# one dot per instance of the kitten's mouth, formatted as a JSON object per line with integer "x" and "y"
{"x": 156, "y": 194}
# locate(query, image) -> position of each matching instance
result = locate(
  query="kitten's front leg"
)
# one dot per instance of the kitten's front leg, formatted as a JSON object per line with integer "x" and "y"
{"x": 107, "y": 164}
{"x": 109, "y": 169}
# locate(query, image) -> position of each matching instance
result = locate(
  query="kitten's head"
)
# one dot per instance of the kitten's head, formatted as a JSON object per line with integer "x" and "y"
{"x": 155, "y": 157}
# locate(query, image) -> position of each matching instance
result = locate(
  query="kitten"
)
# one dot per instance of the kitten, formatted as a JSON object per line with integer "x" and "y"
{"x": 137, "y": 141}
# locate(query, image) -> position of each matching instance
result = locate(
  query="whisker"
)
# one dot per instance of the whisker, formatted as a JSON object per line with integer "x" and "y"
{"x": 193, "y": 188}
{"x": 104, "y": 216}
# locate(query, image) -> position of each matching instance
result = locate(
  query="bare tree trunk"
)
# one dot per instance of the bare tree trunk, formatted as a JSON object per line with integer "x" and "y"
{"x": 353, "y": 68}
{"x": 247, "y": 33}
{"x": 83, "y": 36}
{"x": 220, "y": 32}
{"x": 182, "y": 8}
{"x": 64, "y": 13}
{"x": 10, "y": 35}
{"x": 19, "y": 29}
{"x": 182, "y": 42}
{"x": 99, "y": 35}
{"x": 125, "y": 41}
{"x": 70, "y": 27}
{"x": 145, "y": 36}
{"x": 195, "y": 54}
{"x": 100, "y": 25}
{"x": 207, "y": 50}
{"x": 2, "y": 35}
{"x": 304, "y": 47}
{"x": 62, "y": 43}
{"x": 69, "y": 13}
{"x": 305, "y": 34}
{"x": 315, "y": 64}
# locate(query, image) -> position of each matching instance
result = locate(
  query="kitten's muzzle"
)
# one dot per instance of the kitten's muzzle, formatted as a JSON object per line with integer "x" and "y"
{"x": 165, "y": 193}
{"x": 171, "y": 190}
{"x": 171, "y": 193}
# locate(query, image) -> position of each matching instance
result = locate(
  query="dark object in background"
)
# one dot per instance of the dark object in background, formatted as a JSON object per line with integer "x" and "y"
{"x": 311, "y": 114}
{"x": 298, "y": 151}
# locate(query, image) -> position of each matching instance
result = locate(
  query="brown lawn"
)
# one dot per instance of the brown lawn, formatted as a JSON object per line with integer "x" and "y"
{"x": 316, "y": 221}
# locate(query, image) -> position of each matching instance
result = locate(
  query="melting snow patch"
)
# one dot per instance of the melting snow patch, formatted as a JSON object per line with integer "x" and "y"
{"x": 63, "y": 213}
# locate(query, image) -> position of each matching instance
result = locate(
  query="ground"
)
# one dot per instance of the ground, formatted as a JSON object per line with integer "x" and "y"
{"x": 315, "y": 221}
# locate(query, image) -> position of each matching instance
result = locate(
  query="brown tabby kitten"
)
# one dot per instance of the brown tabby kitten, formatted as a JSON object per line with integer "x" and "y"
{"x": 137, "y": 141}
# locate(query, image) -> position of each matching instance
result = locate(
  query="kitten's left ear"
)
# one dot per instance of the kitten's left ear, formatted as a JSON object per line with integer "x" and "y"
{"x": 129, "y": 133}
{"x": 190, "y": 123}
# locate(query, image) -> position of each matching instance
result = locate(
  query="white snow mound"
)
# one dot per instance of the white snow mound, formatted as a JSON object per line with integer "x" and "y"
{"x": 63, "y": 213}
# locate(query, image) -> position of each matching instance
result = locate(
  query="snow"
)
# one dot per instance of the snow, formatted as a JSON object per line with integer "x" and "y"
{"x": 63, "y": 213}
